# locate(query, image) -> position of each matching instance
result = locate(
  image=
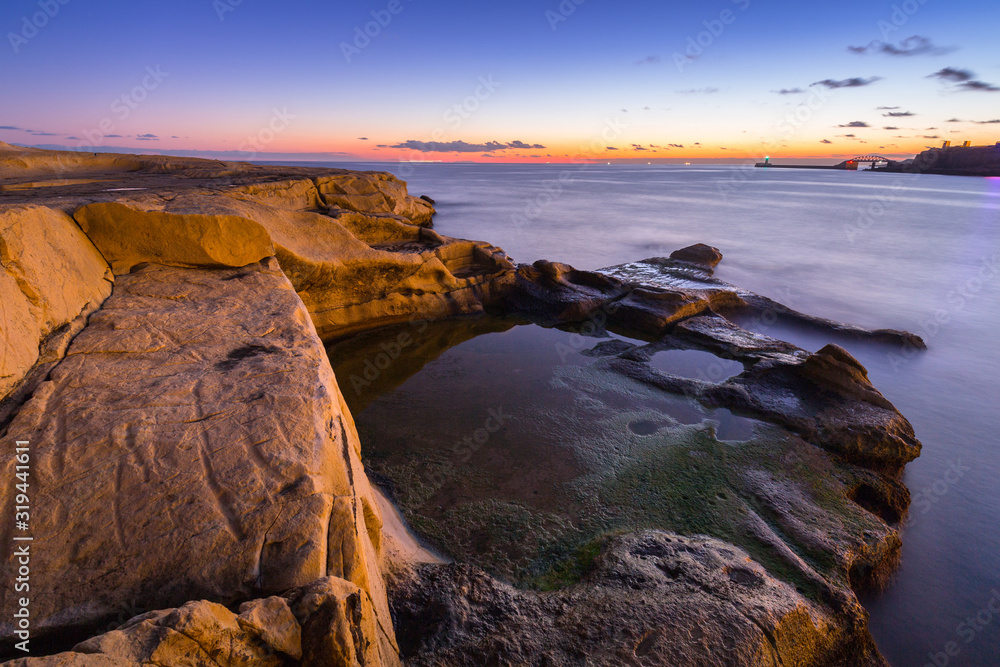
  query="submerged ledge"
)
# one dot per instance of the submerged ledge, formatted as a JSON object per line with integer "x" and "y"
{"x": 198, "y": 487}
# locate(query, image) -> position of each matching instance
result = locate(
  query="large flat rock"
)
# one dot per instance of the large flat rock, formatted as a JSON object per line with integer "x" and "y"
{"x": 193, "y": 444}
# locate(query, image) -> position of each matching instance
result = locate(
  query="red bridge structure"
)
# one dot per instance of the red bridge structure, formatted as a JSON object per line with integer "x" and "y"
{"x": 874, "y": 160}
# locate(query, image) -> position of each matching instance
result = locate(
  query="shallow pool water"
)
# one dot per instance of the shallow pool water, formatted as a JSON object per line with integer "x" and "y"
{"x": 497, "y": 437}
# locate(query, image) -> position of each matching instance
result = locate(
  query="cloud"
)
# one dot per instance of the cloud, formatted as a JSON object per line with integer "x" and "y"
{"x": 74, "y": 138}
{"x": 954, "y": 120}
{"x": 648, "y": 60}
{"x": 522, "y": 145}
{"x": 987, "y": 122}
{"x": 44, "y": 134}
{"x": 853, "y": 82}
{"x": 932, "y": 136}
{"x": 637, "y": 147}
{"x": 788, "y": 91}
{"x": 826, "y": 141}
{"x": 849, "y": 136}
{"x": 915, "y": 45}
{"x": 112, "y": 136}
{"x": 979, "y": 85}
{"x": 699, "y": 91}
{"x": 611, "y": 148}
{"x": 856, "y": 123}
{"x": 899, "y": 114}
{"x": 676, "y": 145}
{"x": 890, "y": 127}
{"x": 964, "y": 79}
{"x": 175, "y": 137}
{"x": 952, "y": 74}
{"x": 885, "y": 108}
{"x": 362, "y": 138}
{"x": 147, "y": 137}
{"x": 9, "y": 127}
{"x": 460, "y": 146}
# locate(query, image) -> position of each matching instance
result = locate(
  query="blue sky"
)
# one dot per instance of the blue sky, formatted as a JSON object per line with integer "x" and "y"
{"x": 500, "y": 81}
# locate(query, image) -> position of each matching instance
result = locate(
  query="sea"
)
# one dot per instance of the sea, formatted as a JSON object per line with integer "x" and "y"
{"x": 903, "y": 251}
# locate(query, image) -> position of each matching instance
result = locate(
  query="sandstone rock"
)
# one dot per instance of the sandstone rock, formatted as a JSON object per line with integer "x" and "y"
{"x": 729, "y": 300}
{"x": 653, "y": 598}
{"x": 339, "y": 627}
{"x": 51, "y": 275}
{"x": 193, "y": 444}
{"x": 273, "y": 621}
{"x": 293, "y": 195}
{"x": 352, "y": 270}
{"x": 127, "y": 237}
{"x": 333, "y": 625}
{"x": 825, "y": 398}
{"x": 699, "y": 253}
{"x": 374, "y": 192}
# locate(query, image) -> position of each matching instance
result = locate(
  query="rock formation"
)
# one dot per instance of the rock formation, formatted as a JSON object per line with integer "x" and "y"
{"x": 197, "y": 489}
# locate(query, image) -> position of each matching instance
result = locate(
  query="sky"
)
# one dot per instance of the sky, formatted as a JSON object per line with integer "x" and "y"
{"x": 513, "y": 81}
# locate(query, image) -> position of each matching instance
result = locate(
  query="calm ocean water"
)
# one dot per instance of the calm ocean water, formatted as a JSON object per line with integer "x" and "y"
{"x": 878, "y": 250}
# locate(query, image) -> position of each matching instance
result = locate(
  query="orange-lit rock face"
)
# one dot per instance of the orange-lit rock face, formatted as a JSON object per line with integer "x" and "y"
{"x": 192, "y": 444}
{"x": 51, "y": 273}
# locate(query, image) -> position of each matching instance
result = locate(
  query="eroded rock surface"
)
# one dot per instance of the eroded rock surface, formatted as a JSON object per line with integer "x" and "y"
{"x": 654, "y": 598}
{"x": 192, "y": 444}
{"x": 329, "y": 623}
{"x": 51, "y": 278}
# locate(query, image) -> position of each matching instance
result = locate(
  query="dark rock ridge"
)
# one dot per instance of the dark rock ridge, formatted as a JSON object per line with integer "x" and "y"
{"x": 652, "y": 598}
{"x": 192, "y": 453}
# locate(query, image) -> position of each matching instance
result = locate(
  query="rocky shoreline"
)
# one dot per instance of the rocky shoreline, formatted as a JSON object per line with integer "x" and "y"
{"x": 198, "y": 493}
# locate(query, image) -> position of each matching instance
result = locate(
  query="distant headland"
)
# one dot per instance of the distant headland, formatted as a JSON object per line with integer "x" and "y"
{"x": 965, "y": 160}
